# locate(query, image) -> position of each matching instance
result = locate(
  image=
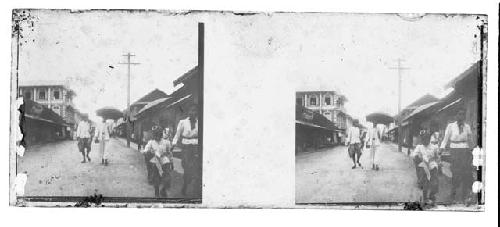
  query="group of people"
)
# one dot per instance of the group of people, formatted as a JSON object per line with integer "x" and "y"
{"x": 455, "y": 147}
{"x": 358, "y": 140}
{"x": 158, "y": 156}
{"x": 429, "y": 154}
{"x": 85, "y": 135}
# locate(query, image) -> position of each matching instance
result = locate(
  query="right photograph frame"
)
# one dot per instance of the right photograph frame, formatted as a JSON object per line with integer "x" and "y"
{"x": 401, "y": 122}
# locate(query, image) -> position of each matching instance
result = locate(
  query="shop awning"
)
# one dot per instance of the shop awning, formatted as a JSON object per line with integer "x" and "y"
{"x": 310, "y": 124}
{"x": 419, "y": 110}
{"x": 44, "y": 120}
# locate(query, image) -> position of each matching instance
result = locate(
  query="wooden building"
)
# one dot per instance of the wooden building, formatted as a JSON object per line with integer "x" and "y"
{"x": 168, "y": 111}
{"x": 312, "y": 130}
{"x": 39, "y": 124}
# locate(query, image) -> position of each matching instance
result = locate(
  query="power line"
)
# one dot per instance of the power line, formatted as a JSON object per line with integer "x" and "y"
{"x": 128, "y": 63}
{"x": 400, "y": 69}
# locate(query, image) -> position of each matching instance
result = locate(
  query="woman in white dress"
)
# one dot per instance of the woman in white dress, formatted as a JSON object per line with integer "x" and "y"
{"x": 102, "y": 137}
{"x": 372, "y": 142}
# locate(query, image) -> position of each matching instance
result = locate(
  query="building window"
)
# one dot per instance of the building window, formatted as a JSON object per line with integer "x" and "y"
{"x": 57, "y": 94}
{"x": 42, "y": 95}
{"x": 299, "y": 101}
{"x": 312, "y": 101}
{"x": 328, "y": 101}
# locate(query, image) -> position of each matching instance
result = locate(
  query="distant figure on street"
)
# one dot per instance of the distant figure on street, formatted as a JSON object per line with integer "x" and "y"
{"x": 372, "y": 142}
{"x": 427, "y": 160}
{"x": 161, "y": 150}
{"x": 102, "y": 137}
{"x": 353, "y": 142}
{"x": 186, "y": 137}
{"x": 83, "y": 136}
{"x": 458, "y": 139}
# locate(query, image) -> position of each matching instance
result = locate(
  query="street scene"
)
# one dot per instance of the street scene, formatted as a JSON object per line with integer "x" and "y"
{"x": 124, "y": 123}
{"x": 397, "y": 128}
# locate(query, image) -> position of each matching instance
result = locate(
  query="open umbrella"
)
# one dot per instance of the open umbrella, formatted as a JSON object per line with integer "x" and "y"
{"x": 379, "y": 118}
{"x": 109, "y": 113}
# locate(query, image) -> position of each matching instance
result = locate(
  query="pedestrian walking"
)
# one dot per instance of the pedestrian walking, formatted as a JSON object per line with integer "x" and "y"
{"x": 372, "y": 142}
{"x": 161, "y": 150}
{"x": 353, "y": 143}
{"x": 427, "y": 159}
{"x": 84, "y": 138}
{"x": 458, "y": 140}
{"x": 102, "y": 138}
{"x": 186, "y": 137}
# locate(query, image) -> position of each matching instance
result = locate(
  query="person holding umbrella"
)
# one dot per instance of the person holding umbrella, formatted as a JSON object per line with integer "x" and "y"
{"x": 372, "y": 142}
{"x": 102, "y": 137}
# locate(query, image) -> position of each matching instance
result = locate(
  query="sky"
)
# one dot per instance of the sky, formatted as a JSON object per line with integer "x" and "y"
{"x": 80, "y": 47}
{"x": 348, "y": 53}
{"x": 353, "y": 54}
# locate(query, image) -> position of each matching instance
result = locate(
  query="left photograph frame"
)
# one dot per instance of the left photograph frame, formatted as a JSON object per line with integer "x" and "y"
{"x": 106, "y": 108}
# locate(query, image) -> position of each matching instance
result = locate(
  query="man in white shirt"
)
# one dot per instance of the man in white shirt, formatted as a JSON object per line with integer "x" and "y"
{"x": 83, "y": 137}
{"x": 186, "y": 137}
{"x": 353, "y": 142}
{"x": 458, "y": 140}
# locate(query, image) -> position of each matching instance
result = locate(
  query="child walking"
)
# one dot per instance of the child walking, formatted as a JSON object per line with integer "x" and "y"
{"x": 426, "y": 156}
{"x": 160, "y": 149}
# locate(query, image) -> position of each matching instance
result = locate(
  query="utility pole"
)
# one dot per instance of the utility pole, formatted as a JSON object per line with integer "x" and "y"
{"x": 128, "y": 63}
{"x": 400, "y": 69}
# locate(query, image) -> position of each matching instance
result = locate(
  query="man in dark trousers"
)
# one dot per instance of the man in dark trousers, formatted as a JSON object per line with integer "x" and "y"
{"x": 83, "y": 135}
{"x": 353, "y": 143}
{"x": 186, "y": 137}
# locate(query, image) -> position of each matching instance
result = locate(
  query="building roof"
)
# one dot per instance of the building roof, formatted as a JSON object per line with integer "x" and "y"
{"x": 152, "y": 104}
{"x": 427, "y": 98}
{"x": 47, "y": 83}
{"x": 151, "y": 96}
{"x": 308, "y": 117}
{"x": 36, "y": 111}
{"x": 186, "y": 76}
{"x": 43, "y": 83}
{"x": 160, "y": 103}
{"x": 420, "y": 109}
{"x": 473, "y": 70}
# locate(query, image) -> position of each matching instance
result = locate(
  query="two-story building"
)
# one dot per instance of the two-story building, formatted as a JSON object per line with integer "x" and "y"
{"x": 53, "y": 95}
{"x": 329, "y": 104}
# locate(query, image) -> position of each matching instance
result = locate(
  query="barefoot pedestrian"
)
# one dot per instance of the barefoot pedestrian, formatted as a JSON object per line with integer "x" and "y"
{"x": 426, "y": 157}
{"x": 102, "y": 138}
{"x": 161, "y": 160}
{"x": 353, "y": 143}
{"x": 186, "y": 137}
{"x": 83, "y": 137}
{"x": 372, "y": 142}
{"x": 458, "y": 139}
